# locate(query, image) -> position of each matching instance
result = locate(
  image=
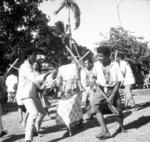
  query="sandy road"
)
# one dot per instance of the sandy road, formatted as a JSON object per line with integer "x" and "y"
{"x": 137, "y": 124}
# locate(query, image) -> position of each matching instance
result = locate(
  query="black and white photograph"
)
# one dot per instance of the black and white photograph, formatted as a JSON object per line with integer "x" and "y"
{"x": 74, "y": 71}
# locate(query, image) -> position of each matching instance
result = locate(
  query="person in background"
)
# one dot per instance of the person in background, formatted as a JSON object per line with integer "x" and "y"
{"x": 11, "y": 85}
{"x": 128, "y": 81}
{"x": 86, "y": 76}
{"x": 42, "y": 97}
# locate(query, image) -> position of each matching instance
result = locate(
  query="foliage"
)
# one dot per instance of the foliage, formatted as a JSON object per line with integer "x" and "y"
{"x": 52, "y": 41}
{"x": 133, "y": 48}
{"x": 18, "y": 20}
{"x": 71, "y": 5}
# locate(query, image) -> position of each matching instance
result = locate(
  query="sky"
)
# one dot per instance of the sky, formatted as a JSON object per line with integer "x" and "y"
{"x": 98, "y": 16}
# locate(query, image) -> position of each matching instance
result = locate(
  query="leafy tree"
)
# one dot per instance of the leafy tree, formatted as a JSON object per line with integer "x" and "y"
{"x": 135, "y": 51}
{"x": 52, "y": 41}
{"x": 71, "y": 5}
{"x": 18, "y": 20}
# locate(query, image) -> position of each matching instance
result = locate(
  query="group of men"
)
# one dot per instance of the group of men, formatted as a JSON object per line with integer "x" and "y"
{"x": 97, "y": 82}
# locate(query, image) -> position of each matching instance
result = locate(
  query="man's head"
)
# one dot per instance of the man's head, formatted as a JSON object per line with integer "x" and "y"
{"x": 30, "y": 54}
{"x": 88, "y": 63}
{"x": 103, "y": 55}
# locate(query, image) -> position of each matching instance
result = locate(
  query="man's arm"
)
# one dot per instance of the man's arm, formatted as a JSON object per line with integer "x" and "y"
{"x": 114, "y": 92}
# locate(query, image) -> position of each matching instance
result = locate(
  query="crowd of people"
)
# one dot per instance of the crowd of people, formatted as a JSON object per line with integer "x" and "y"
{"x": 91, "y": 88}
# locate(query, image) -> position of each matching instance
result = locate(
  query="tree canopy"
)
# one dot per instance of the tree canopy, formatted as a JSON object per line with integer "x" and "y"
{"x": 18, "y": 20}
{"x": 134, "y": 49}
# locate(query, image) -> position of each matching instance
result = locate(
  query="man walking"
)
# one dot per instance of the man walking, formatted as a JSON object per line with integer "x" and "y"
{"x": 108, "y": 78}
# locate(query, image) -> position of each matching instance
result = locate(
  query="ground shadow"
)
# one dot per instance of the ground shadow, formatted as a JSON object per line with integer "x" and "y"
{"x": 135, "y": 124}
{"x": 138, "y": 123}
{"x": 143, "y": 105}
{"x": 13, "y": 138}
{"x": 113, "y": 118}
{"x": 56, "y": 140}
{"x": 9, "y": 107}
{"x": 80, "y": 128}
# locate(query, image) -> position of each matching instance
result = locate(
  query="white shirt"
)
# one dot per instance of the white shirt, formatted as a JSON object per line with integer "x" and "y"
{"x": 11, "y": 83}
{"x": 98, "y": 72}
{"x": 127, "y": 73}
{"x": 28, "y": 81}
{"x": 114, "y": 73}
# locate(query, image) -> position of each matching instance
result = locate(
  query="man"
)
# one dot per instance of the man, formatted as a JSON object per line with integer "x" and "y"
{"x": 128, "y": 81}
{"x": 108, "y": 78}
{"x": 27, "y": 94}
{"x": 86, "y": 76}
{"x": 69, "y": 106}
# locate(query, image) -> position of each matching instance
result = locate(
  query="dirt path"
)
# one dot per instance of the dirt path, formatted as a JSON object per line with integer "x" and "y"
{"x": 137, "y": 124}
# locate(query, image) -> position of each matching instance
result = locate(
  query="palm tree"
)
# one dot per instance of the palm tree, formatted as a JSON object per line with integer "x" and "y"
{"x": 71, "y": 6}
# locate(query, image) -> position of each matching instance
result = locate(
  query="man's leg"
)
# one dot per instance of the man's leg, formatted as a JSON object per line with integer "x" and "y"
{"x": 33, "y": 112}
{"x": 129, "y": 96}
{"x": 118, "y": 104}
{"x": 40, "y": 116}
{"x": 100, "y": 119}
{"x": 84, "y": 99}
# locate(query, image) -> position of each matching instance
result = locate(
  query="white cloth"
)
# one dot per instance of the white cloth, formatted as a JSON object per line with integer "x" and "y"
{"x": 68, "y": 72}
{"x": 127, "y": 73}
{"x": 115, "y": 72}
{"x": 28, "y": 82}
{"x": 11, "y": 83}
{"x": 70, "y": 110}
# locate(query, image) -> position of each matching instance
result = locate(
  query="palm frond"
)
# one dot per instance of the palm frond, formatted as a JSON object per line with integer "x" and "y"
{"x": 62, "y": 5}
{"x": 76, "y": 10}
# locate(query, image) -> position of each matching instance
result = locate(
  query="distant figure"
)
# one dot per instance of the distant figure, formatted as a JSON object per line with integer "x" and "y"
{"x": 11, "y": 85}
{"x": 128, "y": 81}
{"x": 86, "y": 76}
{"x": 44, "y": 101}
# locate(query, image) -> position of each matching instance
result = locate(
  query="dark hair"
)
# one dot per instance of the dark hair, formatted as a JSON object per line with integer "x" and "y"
{"x": 121, "y": 56}
{"x": 105, "y": 50}
{"x": 29, "y": 51}
{"x": 88, "y": 59}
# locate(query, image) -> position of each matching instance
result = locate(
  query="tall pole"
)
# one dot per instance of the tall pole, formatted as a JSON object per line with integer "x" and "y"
{"x": 118, "y": 12}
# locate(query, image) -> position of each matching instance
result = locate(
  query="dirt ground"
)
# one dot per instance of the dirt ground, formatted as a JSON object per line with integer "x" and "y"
{"x": 137, "y": 124}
